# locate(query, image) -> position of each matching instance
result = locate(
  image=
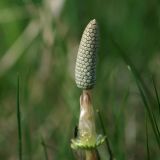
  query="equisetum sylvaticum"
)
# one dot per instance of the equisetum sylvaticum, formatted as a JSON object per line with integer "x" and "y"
{"x": 87, "y": 139}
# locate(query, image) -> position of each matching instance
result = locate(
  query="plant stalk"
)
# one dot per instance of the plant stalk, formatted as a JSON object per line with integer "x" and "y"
{"x": 92, "y": 155}
{"x": 87, "y": 128}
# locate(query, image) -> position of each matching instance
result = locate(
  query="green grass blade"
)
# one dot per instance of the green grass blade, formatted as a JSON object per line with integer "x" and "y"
{"x": 147, "y": 139}
{"x": 156, "y": 125}
{"x": 146, "y": 96}
{"x": 19, "y": 121}
{"x": 131, "y": 66}
{"x": 104, "y": 132}
{"x": 44, "y": 149}
{"x": 150, "y": 114}
{"x": 156, "y": 92}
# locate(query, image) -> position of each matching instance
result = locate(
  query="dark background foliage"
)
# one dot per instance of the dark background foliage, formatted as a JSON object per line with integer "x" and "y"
{"x": 39, "y": 40}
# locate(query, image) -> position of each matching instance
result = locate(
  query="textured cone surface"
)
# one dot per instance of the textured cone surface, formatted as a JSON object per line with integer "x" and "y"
{"x": 85, "y": 70}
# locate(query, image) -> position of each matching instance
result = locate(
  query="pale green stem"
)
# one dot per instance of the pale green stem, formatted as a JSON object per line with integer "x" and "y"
{"x": 87, "y": 128}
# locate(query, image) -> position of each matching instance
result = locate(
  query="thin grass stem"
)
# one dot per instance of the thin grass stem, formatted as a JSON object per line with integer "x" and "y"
{"x": 150, "y": 114}
{"x": 147, "y": 139}
{"x": 104, "y": 132}
{"x": 44, "y": 149}
{"x": 19, "y": 121}
{"x": 147, "y": 97}
{"x": 156, "y": 92}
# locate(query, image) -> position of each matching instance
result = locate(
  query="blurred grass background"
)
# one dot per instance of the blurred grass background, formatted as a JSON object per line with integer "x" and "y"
{"x": 39, "y": 39}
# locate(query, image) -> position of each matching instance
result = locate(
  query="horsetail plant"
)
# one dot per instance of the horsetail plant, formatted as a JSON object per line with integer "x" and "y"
{"x": 85, "y": 77}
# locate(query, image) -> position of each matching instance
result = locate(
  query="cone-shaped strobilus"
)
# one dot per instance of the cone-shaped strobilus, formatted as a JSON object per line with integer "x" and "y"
{"x": 87, "y": 139}
{"x": 85, "y": 70}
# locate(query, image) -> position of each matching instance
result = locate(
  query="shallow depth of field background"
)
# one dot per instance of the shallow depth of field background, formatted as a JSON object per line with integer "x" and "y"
{"x": 39, "y": 40}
